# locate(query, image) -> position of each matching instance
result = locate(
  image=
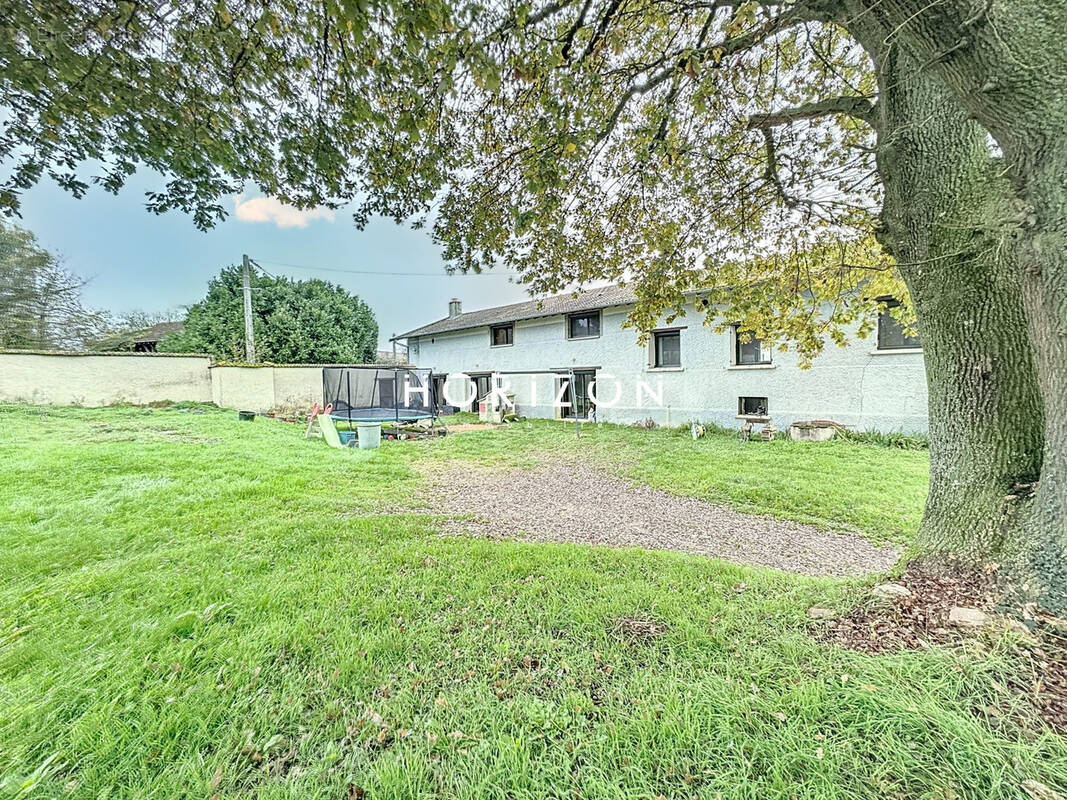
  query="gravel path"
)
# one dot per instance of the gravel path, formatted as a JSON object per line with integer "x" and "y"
{"x": 580, "y": 504}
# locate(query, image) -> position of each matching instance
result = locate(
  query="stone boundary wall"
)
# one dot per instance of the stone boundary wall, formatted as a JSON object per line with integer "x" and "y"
{"x": 100, "y": 379}
{"x": 269, "y": 388}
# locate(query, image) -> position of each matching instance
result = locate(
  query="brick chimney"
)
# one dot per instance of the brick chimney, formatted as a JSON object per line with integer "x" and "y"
{"x": 455, "y": 307}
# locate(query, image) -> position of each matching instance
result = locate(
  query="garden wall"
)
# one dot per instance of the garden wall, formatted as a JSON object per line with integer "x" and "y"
{"x": 98, "y": 379}
{"x": 277, "y": 388}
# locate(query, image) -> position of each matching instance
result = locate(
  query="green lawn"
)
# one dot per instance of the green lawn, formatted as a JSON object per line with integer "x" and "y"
{"x": 196, "y": 607}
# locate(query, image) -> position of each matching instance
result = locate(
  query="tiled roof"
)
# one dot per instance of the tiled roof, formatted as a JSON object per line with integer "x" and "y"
{"x": 568, "y": 303}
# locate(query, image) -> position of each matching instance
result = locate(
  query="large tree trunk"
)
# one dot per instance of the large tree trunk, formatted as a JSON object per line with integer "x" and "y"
{"x": 1004, "y": 62}
{"x": 1043, "y": 255}
{"x": 984, "y": 406}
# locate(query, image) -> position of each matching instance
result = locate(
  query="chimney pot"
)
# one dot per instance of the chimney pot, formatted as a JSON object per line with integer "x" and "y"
{"x": 455, "y": 307}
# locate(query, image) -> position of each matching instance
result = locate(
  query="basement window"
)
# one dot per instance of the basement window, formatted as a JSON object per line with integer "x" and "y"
{"x": 752, "y": 406}
{"x": 891, "y": 334}
{"x": 502, "y": 335}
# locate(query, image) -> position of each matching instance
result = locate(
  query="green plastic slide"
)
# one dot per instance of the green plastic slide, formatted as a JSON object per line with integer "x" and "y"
{"x": 329, "y": 431}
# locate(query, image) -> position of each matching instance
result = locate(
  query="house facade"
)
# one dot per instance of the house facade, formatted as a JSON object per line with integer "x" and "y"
{"x": 685, "y": 373}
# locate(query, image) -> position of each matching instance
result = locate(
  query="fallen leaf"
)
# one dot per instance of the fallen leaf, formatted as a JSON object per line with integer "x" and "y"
{"x": 1038, "y": 791}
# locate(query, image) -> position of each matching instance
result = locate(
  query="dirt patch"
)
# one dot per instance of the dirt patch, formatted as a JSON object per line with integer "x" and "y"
{"x": 637, "y": 629}
{"x": 921, "y": 619}
{"x": 918, "y": 619}
{"x": 579, "y": 504}
{"x": 467, "y": 427}
{"x": 1042, "y": 677}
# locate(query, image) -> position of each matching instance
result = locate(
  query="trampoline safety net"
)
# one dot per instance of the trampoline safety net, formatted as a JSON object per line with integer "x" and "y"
{"x": 378, "y": 394}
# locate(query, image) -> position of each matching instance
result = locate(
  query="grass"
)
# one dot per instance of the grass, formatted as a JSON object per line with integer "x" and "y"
{"x": 196, "y": 607}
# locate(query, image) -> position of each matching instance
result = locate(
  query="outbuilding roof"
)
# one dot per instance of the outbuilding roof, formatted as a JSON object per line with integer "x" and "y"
{"x": 569, "y": 303}
{"x": 157, "y": 332}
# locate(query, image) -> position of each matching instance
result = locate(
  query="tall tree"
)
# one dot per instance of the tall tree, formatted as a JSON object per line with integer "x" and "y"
{"x": 40, "y": 301}
{"x": 295, "y": 322}
{"x": 732, "y": 143}
{"x": 942, "y": 186}
{"x": 1004, "y": 63}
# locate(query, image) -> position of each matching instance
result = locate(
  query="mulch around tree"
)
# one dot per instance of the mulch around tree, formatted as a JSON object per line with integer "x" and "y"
{"x": 1038, "y": 654}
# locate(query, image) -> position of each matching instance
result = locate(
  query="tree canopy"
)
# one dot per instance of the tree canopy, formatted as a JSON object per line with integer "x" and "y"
{"x": 295, "y": 322}
{"x": 571, "y": 141}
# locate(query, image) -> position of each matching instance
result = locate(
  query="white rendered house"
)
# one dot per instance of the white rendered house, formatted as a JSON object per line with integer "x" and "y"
{"x": 685, "y": 373}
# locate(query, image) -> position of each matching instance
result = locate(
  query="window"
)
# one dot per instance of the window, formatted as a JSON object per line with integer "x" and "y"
{"x": 747, "y": 353}
{"x": 583, "y": 326}
{"x": 891, "y": 334}
{"x": 752, "y": 406}
{"x": 666, "y": 349}
{"x": 502, "y": 335}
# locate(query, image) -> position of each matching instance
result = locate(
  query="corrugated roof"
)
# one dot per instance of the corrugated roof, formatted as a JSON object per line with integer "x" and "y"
{"x": 568, "y": 303}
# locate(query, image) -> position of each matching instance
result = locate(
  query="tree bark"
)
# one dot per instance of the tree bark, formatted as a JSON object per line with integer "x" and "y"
{"x": 984, "y": 405}
{"x": 1004, "y": 63}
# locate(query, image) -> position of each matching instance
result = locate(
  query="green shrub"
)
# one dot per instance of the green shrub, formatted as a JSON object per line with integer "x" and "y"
{"x": 894, "y": 439}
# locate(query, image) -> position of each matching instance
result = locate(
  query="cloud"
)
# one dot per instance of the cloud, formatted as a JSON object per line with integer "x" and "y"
{"x": 270, "y": 209}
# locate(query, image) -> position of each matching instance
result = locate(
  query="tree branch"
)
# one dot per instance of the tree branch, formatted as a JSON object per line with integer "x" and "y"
{"x": 850, "y": 106}
{"x": 568, "y": 39}
{"x": 770, "y": 169}
{"x": 803, "y": 11}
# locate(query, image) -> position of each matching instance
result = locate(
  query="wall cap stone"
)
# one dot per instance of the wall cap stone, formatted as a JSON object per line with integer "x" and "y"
{"x": 106, "y": 354}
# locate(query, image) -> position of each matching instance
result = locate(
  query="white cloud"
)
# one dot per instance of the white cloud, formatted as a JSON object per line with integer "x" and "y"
{"x": 270, "y": 209}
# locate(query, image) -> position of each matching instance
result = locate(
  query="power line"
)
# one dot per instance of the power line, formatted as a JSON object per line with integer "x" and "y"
{"x": 383, "y": 272}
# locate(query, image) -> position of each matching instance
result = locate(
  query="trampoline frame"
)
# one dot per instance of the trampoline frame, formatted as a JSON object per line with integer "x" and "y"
{"x": 398, "y": 413}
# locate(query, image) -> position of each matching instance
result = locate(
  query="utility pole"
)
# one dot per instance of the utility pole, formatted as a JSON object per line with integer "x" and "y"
{"x": 246, "y": 285}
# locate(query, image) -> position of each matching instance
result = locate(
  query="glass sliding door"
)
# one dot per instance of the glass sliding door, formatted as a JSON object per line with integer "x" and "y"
{"x": 583, "y": 406}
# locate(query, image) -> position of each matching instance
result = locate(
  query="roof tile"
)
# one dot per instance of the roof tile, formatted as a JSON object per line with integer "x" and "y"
{"x": 568, "y": 303}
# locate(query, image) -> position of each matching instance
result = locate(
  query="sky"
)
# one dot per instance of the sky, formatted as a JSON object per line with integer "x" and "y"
{"x": 136, "y": 260}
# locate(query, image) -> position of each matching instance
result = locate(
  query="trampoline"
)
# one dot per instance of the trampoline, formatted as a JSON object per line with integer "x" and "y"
{"x": 379, "y": 394}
